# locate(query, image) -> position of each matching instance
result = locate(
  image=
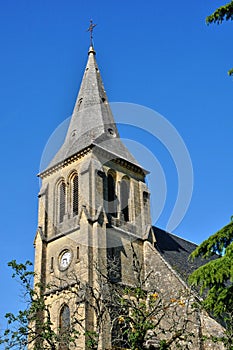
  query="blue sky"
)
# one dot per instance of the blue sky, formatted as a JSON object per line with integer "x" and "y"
{"x": 157, "y": 54}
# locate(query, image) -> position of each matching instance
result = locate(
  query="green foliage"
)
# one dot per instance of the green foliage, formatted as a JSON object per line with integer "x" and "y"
{"x": 146, "y": 316}
{"x": 215, "y": 278}
{"x": 92, "y": 339}
{"x": 217, "y": 243}
{"x": 163, "y": 345}
{"x": 33, "y": 324}
{"x": 223, "y": 13}
{"x": 137, "y": 313}
{"x": 136, "y": 317}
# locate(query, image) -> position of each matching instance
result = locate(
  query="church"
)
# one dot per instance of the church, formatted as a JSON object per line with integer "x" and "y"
{"x": 95, "y": 238}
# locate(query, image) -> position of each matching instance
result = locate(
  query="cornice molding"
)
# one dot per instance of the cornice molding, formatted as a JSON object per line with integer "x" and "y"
{"x": 65, "y": 162}
{"x": 99, "y": 150}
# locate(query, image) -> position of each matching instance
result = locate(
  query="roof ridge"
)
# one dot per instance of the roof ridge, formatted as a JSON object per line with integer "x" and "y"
{"x": 175, "y": 235}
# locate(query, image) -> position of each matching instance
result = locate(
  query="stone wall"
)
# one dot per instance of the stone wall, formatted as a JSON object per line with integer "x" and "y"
{"x": 170, "y": 286}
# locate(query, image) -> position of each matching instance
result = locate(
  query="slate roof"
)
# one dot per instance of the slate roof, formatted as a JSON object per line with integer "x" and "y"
{"x": 92, "y": 122}
{"x": 176, "y": 250}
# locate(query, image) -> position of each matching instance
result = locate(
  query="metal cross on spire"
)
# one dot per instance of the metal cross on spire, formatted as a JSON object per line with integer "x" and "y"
{"x": 90, "y": 29}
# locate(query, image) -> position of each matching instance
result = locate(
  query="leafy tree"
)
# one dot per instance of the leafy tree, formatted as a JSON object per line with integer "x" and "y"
{"x": 139, "y": 314}
{"x": 223, "y": 13}
{"x": 32, "y": 326}
{"x": 145, "y": 317}
{"x": 215, "y": 278}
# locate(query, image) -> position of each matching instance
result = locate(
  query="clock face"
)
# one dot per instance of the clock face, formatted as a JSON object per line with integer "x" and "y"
{"x": 65, "y": 259}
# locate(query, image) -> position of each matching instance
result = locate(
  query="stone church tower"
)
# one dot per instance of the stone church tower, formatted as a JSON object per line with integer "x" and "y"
{"x": 93, "y": 201}
{"x": 93, "y": 205}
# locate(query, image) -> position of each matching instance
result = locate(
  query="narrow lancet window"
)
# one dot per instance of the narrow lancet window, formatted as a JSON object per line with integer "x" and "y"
{"x": 64, "y": 326}
{"x": 75, "y": 195}
{"x": 51, "y": 264}
{"x": 125, "y": 199}
{"x": 62, "y": 201}
{"x": 112, "y": 205}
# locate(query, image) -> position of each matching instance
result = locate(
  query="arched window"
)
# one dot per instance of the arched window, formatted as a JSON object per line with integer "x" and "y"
{"x": 119, "y": 332}
{"x": 75, "y": 195}
{"x": 64, "y": 325}
{"x": 112, "y": 204}
{"x": 62, "y": 201}
{"x": 125, "y": 199}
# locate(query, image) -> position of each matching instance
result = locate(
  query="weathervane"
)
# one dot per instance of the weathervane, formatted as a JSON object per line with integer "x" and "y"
{"x": 90, "y": 29}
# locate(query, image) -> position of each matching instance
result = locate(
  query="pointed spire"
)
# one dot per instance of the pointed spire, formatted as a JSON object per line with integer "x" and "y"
{"x": 92, "y": 122}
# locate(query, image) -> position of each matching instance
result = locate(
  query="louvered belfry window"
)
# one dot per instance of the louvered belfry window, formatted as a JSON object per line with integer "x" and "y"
{"x": 112, "y": 210}
{"x": 62, "y": 201}
{"x": 125, "y": 199}
{"x": 75, "y": 195}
